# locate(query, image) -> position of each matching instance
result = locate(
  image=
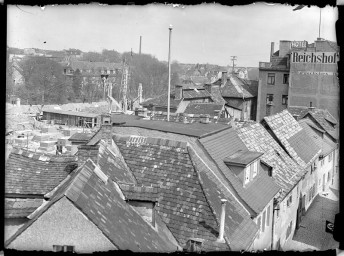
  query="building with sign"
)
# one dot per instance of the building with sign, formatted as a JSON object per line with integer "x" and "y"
{"x": 299, "y": 74}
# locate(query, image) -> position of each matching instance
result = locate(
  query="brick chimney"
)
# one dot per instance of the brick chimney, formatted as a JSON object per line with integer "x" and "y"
{"x": 221, "y": 239}
{"x": 311, "y": 108}
{"x": 178, "y": 92}
{"x": 87, "y": 151}
{"x": 224, "y": 78}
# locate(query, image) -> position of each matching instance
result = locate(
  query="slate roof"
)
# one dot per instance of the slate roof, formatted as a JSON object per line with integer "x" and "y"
{"x": 216, "y": 95}
{"x": 239, "y": 227}
{"x": 81, "y": 136}
{"x": 204, "y": 108}
{"x": 21, "y": 207}
{"x": 235, "y": 103}
{"x": 286, "y": 172}
{"x": 140, "y": 193}
{"x": 195, "y": 93}
{"x": 30, "y": 173}
{"x": 294, "y": 139}
{"x": 104, "y": 205}
{"x": 162, "y": 101}
{"x": 326, "y": 144}
{"x": 236, "y": 87}
{"x": 260, "y": 191}
{"x": 113, "y": 165}
{"x": 182, "y": 205}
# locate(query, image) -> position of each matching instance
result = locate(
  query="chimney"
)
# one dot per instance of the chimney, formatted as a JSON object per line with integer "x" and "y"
{"x": 311, "y": 108}
{"x": 205, "y": 119}
{"x": 222, "y": 223}
{"x": 178, "y": 93}
{"x": 272, "y": 51}
{"x": 87, "y": 151}
{"x": 140, "y": 93}
{"x": 106, "y": 129}
{"x": 224, "y": 78}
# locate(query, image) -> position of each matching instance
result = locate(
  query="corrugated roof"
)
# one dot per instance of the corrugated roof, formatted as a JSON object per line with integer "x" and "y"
{"x": 295, "y": 140}
{"x": 117, "y": 220}
{"x": 166, "y": 165}
{"x": 260, "y": 191}
{"x": 286, "y": 172}
{"x": 30, "y": 173}
{"x": 204, "y": 108}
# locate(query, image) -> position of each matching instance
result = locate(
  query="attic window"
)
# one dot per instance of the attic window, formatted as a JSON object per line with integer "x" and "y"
{"x": 194, "y": 245}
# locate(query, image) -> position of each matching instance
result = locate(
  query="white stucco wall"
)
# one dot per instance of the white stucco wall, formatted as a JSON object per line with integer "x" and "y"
{"x": 62, "y": 224}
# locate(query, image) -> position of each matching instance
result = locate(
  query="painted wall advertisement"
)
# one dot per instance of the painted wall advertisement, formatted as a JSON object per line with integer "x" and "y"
{"x": 314, "y": 57}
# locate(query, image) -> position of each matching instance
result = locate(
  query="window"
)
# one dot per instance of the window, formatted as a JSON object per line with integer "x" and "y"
{"x": 254, "y": 169}
{"x": 268, "y": 216}
{"x": 247, "y": 174}
{"x": 328, "y": 176}
{"x": 271, "y": 78}
{"x": 269, "y": 98}
{"x": 63, "y": 248}
{"x": 263, "y": 221}
{"x": 330, "y": 157}
{"x": 285, "y": 78}
{"x": 289, "y": 201}
{"x": 284, "y": 99}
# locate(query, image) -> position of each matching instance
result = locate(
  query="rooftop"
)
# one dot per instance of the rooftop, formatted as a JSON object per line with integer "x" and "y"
{"x": 29, "y": 173}
{"x": 294, "y": 139}
{"x": 286, "y": 172}
{"x": 119, "y": 222}
{"x": 71, "y": 113}
{"x": 242, "y": 157}
{"x": 81, "y": 136}
{"x": 204, "y": 108}
{"x": 259, "y": 191}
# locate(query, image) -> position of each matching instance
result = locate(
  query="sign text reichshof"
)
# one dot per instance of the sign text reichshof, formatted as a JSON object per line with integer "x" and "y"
{"x": 314, "y": 57}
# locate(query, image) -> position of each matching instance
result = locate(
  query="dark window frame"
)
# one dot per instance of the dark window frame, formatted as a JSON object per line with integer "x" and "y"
{"x": 285, "y": 100}
{"x": 285, "y": 78}
{"x": 271, "y": 80}
{"x": 270, "y": 97}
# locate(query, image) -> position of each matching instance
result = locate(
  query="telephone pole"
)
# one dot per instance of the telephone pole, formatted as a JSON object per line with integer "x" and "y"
{"x": 233, "y": 59}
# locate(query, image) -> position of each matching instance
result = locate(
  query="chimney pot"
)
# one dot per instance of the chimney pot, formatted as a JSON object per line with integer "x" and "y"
{"x": 222, "y": 221}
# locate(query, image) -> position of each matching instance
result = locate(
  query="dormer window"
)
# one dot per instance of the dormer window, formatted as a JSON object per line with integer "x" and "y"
{"x": 245, "y": 164}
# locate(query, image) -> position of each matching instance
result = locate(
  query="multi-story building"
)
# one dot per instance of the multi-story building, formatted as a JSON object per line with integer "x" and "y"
{"x": 299, "y": 74}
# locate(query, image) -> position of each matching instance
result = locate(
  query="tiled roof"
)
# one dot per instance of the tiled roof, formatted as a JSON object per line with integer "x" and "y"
{"x": 259, "y": 191}
{"x": 204, "y": 108}
{"x": 294, "y": 139}
{"x": 236, "y": 87}
{"x": 103, "y": 204}
{"x": 162, "y": 101}
{"x": 286, "y": 172}
{"x": 240, "y": 230}
{"x": 195, "y": 94}
{"x": 113, "y": 165}
{"x": 21, "y": 207}
{"x": 322, "y": 141}
{"x": 235, "y": 103}
{"x": 81, "y": 136}
{"x": 30, "y": 173}
{"x": 182, "y": 205}
{"x": 140, "y": 193}
{"x": 324, "y": 119}
{"x": 216, "y": 95}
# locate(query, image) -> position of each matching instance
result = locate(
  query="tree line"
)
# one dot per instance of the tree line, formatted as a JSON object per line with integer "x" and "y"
{"x": 45, "y": 83}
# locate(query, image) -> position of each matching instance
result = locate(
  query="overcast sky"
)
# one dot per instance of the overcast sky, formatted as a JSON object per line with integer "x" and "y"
{"x": 209, "y": 33}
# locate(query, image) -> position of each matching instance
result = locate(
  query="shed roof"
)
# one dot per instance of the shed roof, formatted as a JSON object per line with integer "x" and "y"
{"x": 30, "y": 173}
{"x": 118, "y": 221}
{"x": 242, "y": 157}
{"x": 260, "y": 191}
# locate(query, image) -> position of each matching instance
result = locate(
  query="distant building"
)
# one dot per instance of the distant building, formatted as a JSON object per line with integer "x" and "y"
{"x": 299, "y": 74}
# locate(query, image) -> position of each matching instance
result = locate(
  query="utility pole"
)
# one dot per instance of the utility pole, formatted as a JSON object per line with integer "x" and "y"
{"x": 319, "y": 23}
{"x": 169, "y": 73}
{"x": 233, "y": 59}
{"x": 140, "y": 45}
